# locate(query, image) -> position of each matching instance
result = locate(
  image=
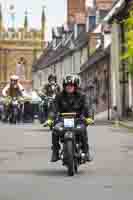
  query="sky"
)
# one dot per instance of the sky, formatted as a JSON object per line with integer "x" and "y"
{"x": 55, "y": 13}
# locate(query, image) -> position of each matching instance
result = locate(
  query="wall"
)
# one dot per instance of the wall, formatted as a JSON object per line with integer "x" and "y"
{"x": 74, "y": 7}
{"x": 95, "y": 84}
{"x": 104, "y": 4}
{"x": 69, "y": 64}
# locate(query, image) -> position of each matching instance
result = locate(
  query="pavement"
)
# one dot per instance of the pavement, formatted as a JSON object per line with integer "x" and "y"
{"x": 26, "y": 172}
{"x": 127, "y": 123}
{"x": 101, "y": 118}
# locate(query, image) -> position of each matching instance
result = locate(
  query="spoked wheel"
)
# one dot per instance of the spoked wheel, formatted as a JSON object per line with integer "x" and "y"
{"x": 70, "y": 158}
{"x": 13, "y": 119}
{"x": 14, "y": 116}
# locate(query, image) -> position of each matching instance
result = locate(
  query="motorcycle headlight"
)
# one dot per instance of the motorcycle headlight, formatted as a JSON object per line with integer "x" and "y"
{"x": 78, "y": 126}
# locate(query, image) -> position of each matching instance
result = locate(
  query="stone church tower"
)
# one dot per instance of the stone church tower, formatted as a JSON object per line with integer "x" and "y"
{"x": 19, "y": 49}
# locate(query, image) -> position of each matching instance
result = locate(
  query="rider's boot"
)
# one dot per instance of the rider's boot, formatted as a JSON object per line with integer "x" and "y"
{"x": 86, "y": 151}
{"x": 55, "y": 155}
{"x": 55, "y": 147}
{"x": 85, "y": 147}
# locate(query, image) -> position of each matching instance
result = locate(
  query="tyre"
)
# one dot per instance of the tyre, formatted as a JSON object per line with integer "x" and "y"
{"x": 70, "y": 158}
{"x": 76, "y": 166}
{"x": 13, "y": 119}
{"x": 15, "y": 116}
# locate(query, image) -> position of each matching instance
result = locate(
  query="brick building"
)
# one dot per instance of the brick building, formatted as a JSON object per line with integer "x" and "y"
{"x": 104, "y": 4}
{"x": 76, "y": 11}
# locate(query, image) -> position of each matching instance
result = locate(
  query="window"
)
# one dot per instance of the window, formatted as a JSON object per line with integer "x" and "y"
{"x": 92, "y": 22}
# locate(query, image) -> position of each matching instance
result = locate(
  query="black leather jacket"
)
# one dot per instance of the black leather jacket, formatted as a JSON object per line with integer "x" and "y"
{"x": 70, "y": 103}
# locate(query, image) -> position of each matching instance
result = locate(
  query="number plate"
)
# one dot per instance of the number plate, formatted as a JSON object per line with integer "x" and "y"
{"x": 69, "y": 123}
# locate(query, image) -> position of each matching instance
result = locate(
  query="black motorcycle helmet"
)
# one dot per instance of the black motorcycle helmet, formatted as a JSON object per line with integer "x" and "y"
{"x": 73, "y": 79}
{"x": 52, "y": 77}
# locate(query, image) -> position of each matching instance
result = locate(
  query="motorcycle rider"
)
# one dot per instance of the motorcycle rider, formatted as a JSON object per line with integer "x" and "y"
{"x": 48, "y": 89}
{"x": 1, "y": 107}
{"x": 12, "y": 89}
{"x": 43, "y": 108}
{"x": 70, "y": 100}
{"x": 51, "y": 89}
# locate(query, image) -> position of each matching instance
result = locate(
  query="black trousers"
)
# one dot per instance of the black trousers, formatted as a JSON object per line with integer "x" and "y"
{"x": 28, "y": 111}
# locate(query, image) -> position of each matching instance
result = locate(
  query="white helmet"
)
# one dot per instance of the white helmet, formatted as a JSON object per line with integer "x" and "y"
{"x": 72, "y": 78}
{"x": 14, "y": 78}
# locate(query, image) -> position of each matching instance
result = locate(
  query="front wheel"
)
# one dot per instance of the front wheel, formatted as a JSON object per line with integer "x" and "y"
{"x": 76, "y": 166}
{"x": 14, "y": 116}
{"x": 70, "y": 158}
{"x": 13, "y": 119}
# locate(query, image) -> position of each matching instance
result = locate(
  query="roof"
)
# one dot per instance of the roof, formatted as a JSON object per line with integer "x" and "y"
{"x": 53, "y": 56}
{"x": 45, "y": 53}
{"x": 81, "y": 41}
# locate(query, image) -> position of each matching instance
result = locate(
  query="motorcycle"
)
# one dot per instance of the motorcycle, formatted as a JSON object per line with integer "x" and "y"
{"x": 27, "y": 110}
{"x": 70, "y": 138}
{"x": 53, "y": 94}
{"x": 14, "y": 110}
{"x": 43, "y": 109}
{"x": 50, "y": 101}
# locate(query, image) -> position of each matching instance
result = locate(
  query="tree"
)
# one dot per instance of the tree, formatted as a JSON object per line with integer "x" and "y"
{"x": 128, "y": 55}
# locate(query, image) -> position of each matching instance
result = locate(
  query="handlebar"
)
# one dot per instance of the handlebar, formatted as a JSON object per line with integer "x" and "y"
{"x": 72, "y": 114}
